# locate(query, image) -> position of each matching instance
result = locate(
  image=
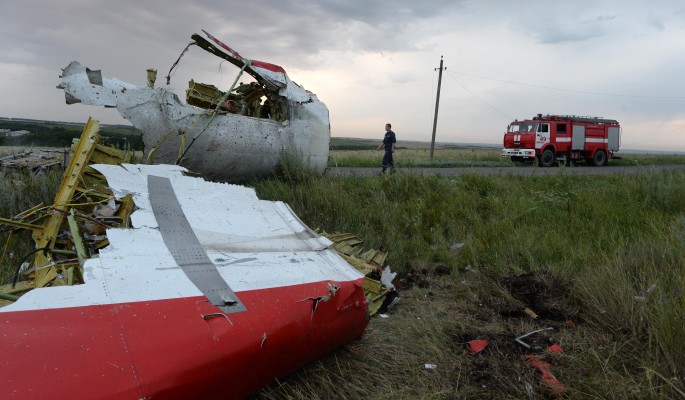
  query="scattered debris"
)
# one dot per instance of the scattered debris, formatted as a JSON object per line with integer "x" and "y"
{"x": 530, "y": 313}
{"x": 520, "y": 341}
{"x": 555, "y": 347}
{"x": 529, "y": 389}
{"x": 128, "y": 251}
{"x": 378, "y": 284}
{"x": 644, "y": 297}
{"x": 387, "y": 277}
{"x": 83, "y": 189}
{"x": 550, "y": 385}
{"x": 393, "y": 301}
{"x": 476, "y": 346}
{"x": 502, "y": 367}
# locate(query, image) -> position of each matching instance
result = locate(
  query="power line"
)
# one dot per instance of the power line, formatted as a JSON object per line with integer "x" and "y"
{"x": 571, "y": 90}
{"x": 651, "y": 138}
{"x": 477, "y": 97}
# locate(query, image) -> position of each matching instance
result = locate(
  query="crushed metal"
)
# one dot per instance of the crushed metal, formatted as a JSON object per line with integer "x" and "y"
{"x": 250, "y": 130}
{"x": 72, "y": 241}
{"x": 85, "y": 198}
{"x": 72, "y": 246}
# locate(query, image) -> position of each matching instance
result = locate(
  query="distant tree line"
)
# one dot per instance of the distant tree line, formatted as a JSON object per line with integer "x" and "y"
{"x": 51, "y": 135}
{"x": 352, "y": 147}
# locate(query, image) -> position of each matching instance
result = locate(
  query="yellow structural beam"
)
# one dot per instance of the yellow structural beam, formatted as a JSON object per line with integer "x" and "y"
{"x": 46, "y": 236}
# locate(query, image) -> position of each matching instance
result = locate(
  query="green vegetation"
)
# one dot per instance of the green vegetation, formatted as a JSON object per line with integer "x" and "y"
{"x": 648, "y": 159}
{"x": 601, "y": 242}
{"x": 420, "y": 158}
{"x": 353, "y": 144}
{"x": 601, "y": 259}
{"x": 47, "y": 134}
{"x": 20, "y": 191}
{"x": 454, "y": 157}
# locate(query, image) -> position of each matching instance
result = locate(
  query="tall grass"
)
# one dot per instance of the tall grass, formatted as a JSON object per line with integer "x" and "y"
{"x": 472, "y": 157}
{"x": 567, "y": 221}
{"x": 19, "y": 191}
{"x": 420, "y": 157}
{"x": 613, "y": 237}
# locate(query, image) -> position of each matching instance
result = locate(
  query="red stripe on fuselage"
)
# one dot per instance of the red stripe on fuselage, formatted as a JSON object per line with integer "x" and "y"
{"x": 235, "y": 54}
{"x": 268, "y": 66}
{"x": 177, "y": 348}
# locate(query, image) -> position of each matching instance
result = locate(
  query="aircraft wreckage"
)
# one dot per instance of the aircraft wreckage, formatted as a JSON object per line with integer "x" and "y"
{"x": 235, "y": 135}
{"x": 147, "y": 283}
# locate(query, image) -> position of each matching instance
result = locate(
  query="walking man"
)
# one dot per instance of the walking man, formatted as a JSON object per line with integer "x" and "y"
{"x": 389, "y": 142}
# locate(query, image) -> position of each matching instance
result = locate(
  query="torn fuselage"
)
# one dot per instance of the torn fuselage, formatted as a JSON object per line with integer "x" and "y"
{"x": 230, "y": 136}
{"x": 207, "y": 296}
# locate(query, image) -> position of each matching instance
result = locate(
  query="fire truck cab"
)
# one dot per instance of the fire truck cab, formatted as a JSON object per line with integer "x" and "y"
{"x": 549, "y": 138}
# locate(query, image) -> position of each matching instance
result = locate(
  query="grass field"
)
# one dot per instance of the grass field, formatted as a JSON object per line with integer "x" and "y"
{"x": 598, "y": 258}
{"x": 56, "y": 134}
{"x": 14, "y": 150}
{"x": 465, "y": 157}
{"x": 468, "y": 157}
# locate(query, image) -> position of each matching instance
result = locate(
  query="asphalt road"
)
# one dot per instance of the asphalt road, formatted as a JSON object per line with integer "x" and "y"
{"x": 517, "y": 170}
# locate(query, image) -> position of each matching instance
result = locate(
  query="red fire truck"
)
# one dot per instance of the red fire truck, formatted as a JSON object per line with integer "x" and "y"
{"x": 549, "y": 138}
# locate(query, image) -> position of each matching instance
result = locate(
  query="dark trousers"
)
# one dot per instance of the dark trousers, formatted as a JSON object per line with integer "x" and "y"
{"x": 388, "y": 162}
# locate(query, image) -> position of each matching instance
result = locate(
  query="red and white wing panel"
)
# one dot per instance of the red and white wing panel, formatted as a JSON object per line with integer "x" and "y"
{"x": 140, "y": 328}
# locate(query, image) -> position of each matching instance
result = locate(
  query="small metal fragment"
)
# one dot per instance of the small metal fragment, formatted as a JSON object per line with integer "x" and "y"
{"x": 526, "y": 345}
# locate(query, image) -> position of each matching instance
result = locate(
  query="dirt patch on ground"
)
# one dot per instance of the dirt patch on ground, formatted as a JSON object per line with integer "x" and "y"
{"x": 492, "y": 310}
{"x": 545, "y": 294}
{"x": 503, "y": 310}
{"x": 421, "y": 276}
{"x": 492, "y": 370}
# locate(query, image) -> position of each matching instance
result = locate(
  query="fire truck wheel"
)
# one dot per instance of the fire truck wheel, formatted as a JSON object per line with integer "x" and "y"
{"x": 599, "y": 159}
{"x": 547, "y": 158}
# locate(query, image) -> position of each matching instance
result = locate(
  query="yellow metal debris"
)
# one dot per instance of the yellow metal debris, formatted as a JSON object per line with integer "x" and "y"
{"x": 368, "y": 262}
{"x": 73, "y": 227}
{"x": 68, "y": 230}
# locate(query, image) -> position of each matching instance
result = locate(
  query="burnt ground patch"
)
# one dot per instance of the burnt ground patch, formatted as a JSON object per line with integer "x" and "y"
{"x": 540, "y": 295}
{"x": 501, "y": 310}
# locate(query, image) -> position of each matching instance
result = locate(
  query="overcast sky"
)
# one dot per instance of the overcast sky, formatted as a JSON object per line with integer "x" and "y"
{"x": 374, "y": 62}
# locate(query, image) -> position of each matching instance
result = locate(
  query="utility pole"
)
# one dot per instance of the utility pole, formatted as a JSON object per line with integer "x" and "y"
{"x": 437, "y": 103}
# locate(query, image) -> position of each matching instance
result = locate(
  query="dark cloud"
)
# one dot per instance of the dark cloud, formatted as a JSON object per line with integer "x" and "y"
{"x": 290, "y": 31}
{"x": 307, "y": 28}
{"x": 565, "y": 29}
{"x": 605, "y": 18}
{"x": 381, "y": 51}
{"x": 656, "y": 22}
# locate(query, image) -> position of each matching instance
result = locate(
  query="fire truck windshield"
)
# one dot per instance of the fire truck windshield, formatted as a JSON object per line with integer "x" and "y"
{"x": 523, "y": 127}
